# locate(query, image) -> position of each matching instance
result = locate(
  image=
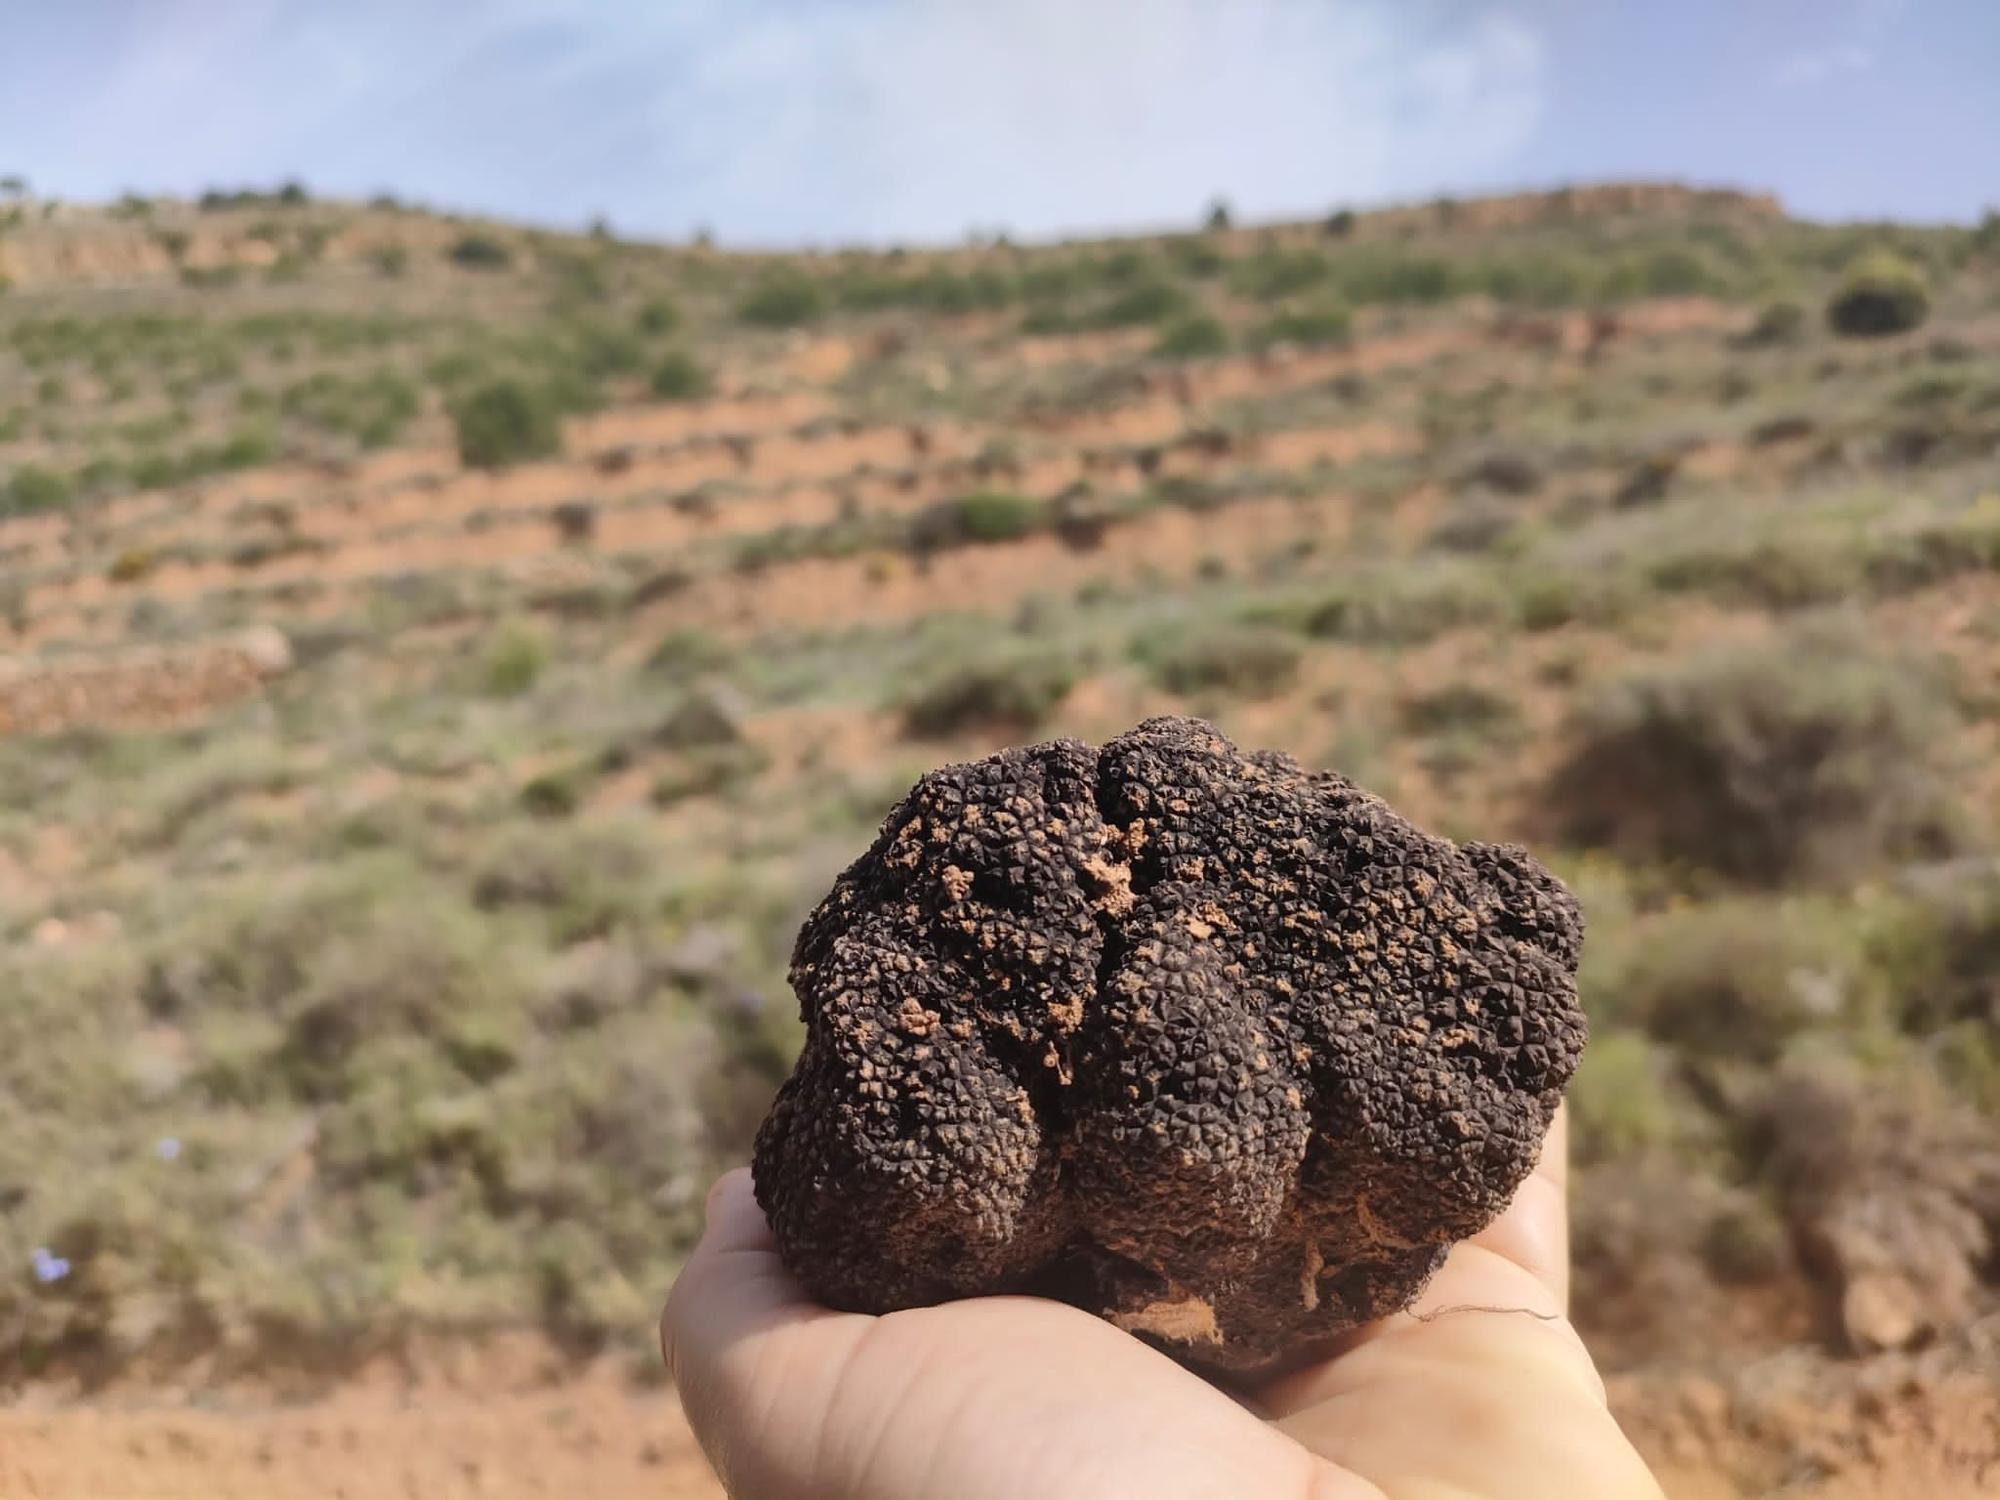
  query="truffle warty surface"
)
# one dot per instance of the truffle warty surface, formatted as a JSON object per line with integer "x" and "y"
{"x": 1221, "y": 1049}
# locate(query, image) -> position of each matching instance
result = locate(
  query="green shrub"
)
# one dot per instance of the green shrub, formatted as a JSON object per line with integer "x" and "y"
{"x": 597, "y": 350}
{"x": 1318, "y": 325}
{"x": 1273, "y": 275}
{"x": 553, "y": 794}
{"x": 516, "y": 656}
{"x": 481, "y": 252}
{"x": 700, "y": 721}
{"x": 1882, "y": 295}
{"x": 685, "y": 652}
{"x": 1933, "y": 388}
{"x": 1368, "y": 276}
{"x": 1938, "y": 949}
{"x": 506, "y": 422}
{"x": 1810, "y": 757}
{"x": 33, "y": 488}
{"x": 1195, "y": 256}
{"x": 783, "y": 299}
{"x": 1197, "y": 336}
{"x": 1783, "y": 574}
{"x": 985, "y": 516}
{"x": 937, "y": 290}
{"x": 678, "y": 377}
{"x": 709, "y": 771}
{"x": 1458, "y": 707}
{"x": 659, "y": 315}
{"x": 1243, "y": 661}
{"x": 1395, "y": 610}
{"x": 1012, "y": 694}
{"x": 1734, "y": 979}
{"x": 1777, "y": 323}
{"x": 373, "y": 409}
{"x": 1620, "y": 1102}
{"x": 1143, "y": 302}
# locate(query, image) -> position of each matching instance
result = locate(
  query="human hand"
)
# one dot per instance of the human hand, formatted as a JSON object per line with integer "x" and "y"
{"x": 1482, "y": 1391}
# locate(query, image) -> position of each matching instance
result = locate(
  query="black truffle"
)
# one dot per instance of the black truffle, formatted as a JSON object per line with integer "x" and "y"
{"x": 1221, "y": 1049}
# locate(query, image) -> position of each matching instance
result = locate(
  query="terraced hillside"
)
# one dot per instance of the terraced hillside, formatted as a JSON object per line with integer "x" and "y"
{"x": 443, "y": 661}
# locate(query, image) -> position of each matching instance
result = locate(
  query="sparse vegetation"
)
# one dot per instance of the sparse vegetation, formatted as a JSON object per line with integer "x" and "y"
{"x": 446, "y": 940}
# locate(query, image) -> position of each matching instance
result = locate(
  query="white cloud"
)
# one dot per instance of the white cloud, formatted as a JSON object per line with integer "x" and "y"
{"x": 1866, "y": 27}
{"x": 1830, "y": 62}
{"x": 802, "y": 119}
{"x": 930, "y": 116}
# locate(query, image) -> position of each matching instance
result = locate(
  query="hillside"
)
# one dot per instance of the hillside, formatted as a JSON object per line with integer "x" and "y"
{"x": 441, "y": 662}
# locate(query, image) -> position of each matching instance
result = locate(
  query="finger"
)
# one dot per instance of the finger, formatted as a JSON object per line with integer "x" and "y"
{"x": 1533, "y": 1232}
{"x": 988, "y": 1399}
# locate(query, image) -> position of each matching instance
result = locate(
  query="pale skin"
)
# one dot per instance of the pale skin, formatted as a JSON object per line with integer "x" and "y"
{"x": 1469, "y": 1396}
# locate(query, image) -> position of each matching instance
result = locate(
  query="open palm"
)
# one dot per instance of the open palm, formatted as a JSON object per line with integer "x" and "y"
{"x": 1481, "y": 1392}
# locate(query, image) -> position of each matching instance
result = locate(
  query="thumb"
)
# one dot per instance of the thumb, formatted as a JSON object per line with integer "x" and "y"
{"x": 1483, "y": 1388}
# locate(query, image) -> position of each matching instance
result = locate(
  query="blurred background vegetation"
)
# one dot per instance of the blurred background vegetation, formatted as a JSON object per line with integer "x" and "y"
{"x": 417, "y": 975}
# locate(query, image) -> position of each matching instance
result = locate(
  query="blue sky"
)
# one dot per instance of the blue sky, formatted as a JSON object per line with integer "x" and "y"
{"x": 831, "y": 121}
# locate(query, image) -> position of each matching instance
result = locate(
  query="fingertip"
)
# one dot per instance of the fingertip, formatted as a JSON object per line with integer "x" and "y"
{"x": 731, "y": 1184}
{"x": 733, "y": 1218}
{"x": 731, "y": 1221}
{"x": 1553, "y": 1163}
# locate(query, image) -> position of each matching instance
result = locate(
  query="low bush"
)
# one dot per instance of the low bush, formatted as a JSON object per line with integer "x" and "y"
{"x": 1736, "y": 978}
{"x": 32, "y": 488}
{"x": 1146, "y": 301}
{"x": 1620, "y": 1101}
{"x": 1241, "y": 661}
{"x": 1456, "y": 708}
{"x": 783, "y": 299}
{"x": 1404, "y": 610}
{"x": 1882, "y": 295}
{"x": 1777, "y": 323}
{"x": 480, "y": 252}
{"x": 515, "y": 658}
{"x": 659, "y": 315}
{"x": 1315, "y": 325}
{"x": 1272, "y": 275}
{"x": 1814, "y": 756}
{"x": 505, "y": 422}
{"x": 1197, "y": 336}
{"x": 1505, "y": 474}
{"x": 679, "y": 377}
{"x": 985, "y": 516}
{"x": 1011, "y": 694}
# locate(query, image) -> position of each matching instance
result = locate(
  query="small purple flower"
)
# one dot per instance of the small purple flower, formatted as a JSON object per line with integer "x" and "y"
{"x": 168, "y": 1148}
{"x": 49, "y": 1267}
